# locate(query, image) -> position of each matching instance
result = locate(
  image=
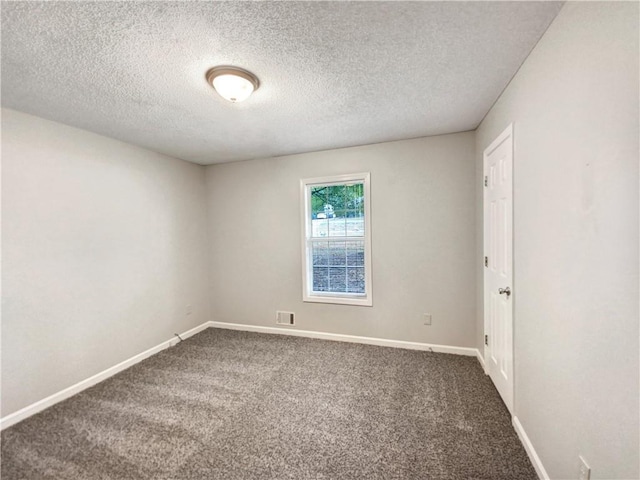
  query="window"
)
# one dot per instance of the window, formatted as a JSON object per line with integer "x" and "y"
{"x": 336, "y": 240}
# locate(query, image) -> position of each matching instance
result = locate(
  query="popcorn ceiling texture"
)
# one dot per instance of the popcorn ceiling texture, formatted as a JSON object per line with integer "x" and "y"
{"x": 333, "y": 74}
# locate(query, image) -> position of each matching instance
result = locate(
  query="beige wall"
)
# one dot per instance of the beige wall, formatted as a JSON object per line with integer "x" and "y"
{"x": 103, "y": 248}
{"x": 105, "y": 244}
{"x": 423, "y": 240}
{"x": 574, "y": 105}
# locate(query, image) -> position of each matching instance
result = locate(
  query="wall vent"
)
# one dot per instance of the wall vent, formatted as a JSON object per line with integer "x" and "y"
{"x": 285, "y": 318}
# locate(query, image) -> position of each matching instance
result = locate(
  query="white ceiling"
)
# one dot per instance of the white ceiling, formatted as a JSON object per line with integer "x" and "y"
{"x": 332, "y": 74}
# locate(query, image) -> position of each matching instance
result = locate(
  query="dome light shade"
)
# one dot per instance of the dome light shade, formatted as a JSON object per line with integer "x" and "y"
{"x": 232, "y": 83}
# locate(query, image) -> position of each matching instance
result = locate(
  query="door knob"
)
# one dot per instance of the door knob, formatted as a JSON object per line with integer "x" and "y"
{"x": 505, "y": 290}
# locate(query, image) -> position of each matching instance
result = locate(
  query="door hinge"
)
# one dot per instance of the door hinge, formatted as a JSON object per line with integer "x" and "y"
{"x": 486, "y": 181}
{"x": 486, "y": 340}
{"x": 486, "y": 261}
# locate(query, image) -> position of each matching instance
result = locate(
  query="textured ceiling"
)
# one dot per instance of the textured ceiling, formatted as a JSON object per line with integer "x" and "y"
{"x": 332, "y": 74}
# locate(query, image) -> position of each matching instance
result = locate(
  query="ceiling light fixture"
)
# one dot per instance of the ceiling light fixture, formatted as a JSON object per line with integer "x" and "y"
{"x": 232, "y": 83}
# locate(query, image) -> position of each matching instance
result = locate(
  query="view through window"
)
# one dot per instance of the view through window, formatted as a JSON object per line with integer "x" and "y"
{"x": 337, "y": 238}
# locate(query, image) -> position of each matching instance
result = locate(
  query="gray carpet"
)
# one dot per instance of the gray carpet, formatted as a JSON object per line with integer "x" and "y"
{"x": 237, "y": 405}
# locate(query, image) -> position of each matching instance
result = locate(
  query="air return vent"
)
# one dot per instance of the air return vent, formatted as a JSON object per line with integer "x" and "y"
{"x": 284, "y": 318}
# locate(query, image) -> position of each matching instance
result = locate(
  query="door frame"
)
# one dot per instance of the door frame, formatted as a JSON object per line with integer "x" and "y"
{"x": 506, "y": 133}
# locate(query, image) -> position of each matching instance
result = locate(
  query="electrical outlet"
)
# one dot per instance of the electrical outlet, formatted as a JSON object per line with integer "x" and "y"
{"x": 585, "y": 471}
{"x": 427, "y": 318}
{"x": 189, "y": 309}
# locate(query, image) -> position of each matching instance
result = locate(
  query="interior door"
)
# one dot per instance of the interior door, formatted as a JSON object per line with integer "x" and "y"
{"x": 498, "y": 260}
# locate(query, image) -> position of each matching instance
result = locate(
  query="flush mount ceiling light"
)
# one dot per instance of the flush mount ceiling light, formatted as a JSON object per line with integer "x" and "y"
{"x": 232, "y": 83}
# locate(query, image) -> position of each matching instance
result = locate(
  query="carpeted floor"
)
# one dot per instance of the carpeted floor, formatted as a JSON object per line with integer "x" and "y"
{"x": 237, "y": 405}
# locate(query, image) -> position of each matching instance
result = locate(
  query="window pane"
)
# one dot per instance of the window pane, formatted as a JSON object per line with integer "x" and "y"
{"x": 335, "y": 196}
{"x": 355, "y": 279}
{"x": 318, "y": 200}
{"x": 337, "y": 279}
{"x": 319, "y": 227}
{"x": 337, "y": 226}
{"x": 354, "y": 196}
{"x": 338, "y": 253}
{"x": 320, "y": 279}
{"x": 354, "y": 209}
{"x": 320, "y": 253}
{"x": 337, "y": 210}
{"x": 355, "y": 253}
{"x": 355, "y": 225}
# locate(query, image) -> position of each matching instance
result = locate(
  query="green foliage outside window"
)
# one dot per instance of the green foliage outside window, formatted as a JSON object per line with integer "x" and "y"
{"x": 346, "y": 200}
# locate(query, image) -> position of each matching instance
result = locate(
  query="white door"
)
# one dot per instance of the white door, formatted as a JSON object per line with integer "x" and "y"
{"x": 498, "y": 260}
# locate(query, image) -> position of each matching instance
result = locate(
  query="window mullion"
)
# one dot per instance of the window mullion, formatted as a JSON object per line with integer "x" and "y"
{"x": 335, "y": 239}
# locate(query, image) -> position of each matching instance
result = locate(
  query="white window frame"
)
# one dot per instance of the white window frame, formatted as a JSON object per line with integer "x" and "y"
{"x": 308, "y": 295}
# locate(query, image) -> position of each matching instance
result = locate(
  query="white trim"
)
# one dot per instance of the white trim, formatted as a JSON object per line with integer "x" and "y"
{"x": 508, "y": 132}
{"x": 528, "y": 446}
{"x": 40, "y": 405}
{"x": 365, "y": 300}
{"x": 382, "y": 342}
{"x": 51, "y": 400}
{"x": 481, "y": 360}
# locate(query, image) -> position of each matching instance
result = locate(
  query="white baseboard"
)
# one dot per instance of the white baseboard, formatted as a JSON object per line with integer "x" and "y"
{"x": 528, "y": 446}
{"x": 481, "y": 360}
{"x": 349, "y": 338}
{"x": 40, "y": 405}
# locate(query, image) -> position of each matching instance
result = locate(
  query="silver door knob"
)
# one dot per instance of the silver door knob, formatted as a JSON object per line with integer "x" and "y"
{"x": 505, "y": 290}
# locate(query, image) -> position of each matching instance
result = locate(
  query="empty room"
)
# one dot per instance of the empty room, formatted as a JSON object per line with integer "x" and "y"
{"x": 320, "y": 240}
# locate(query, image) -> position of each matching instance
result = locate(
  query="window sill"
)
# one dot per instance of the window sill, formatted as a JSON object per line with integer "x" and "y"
{"x": 339, "y": 300}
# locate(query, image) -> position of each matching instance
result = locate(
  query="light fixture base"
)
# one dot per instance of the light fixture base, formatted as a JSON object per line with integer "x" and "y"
{"x": 225, "y": 70}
